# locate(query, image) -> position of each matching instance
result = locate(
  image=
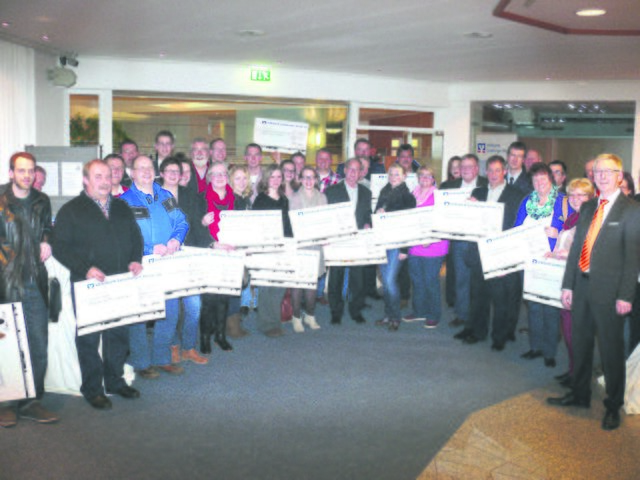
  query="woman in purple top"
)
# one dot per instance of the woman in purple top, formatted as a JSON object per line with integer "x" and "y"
{"x": 425, "y": 261}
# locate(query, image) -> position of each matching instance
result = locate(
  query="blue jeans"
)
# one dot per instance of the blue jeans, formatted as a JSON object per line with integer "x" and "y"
{"x": 190, "y": 324}
{"x": 425, "y": 276}
{"x": 543, "y": 328}
{"x": 459, "y": 252}
{"x": 141, "y": 356}
{"x": 36, "y": 319}
{"x": 245, "y": 296}
{"x": 390, "y": 284}
{"x": 321, "y": 283}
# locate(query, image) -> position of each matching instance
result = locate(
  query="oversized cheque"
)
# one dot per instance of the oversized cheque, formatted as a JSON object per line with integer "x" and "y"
{"x": 291, "y": 269}
{"x": 192, "y": 271}
{"x": 543, "y": 280}
{"x": 252, "y": 230}
{"x": 316, "y": 225}
{"x": 16, "y": 374}
{"x": 361, "y": 249}
{"x": 121, "y": 299}
{"x": 508, "y": 251}
{"x": 404, "y": 228}
{"x": 458, "y": 218}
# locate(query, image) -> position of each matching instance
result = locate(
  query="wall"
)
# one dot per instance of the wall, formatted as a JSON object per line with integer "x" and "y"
{"x": 50, "y": 103}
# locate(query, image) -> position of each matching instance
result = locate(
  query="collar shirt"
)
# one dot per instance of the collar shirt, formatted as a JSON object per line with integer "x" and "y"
{"x": 607, "y": 208}
{"x": 494, "y": 193}
{"x": 353, "y": 195}
{"x": 469, "y": 186}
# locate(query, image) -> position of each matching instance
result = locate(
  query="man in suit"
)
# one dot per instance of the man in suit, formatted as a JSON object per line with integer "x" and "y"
{"x": 498, "y": 291}
{"x": 599, "y": 285}
{"x": 469, "y": 179}
{"x": 517, "y": 174}
{"x": 359, "y": 196}
{"x": 362, "y": 148}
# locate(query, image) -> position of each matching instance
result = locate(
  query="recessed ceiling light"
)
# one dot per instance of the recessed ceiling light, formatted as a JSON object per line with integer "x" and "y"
{"x": 591, "y": 12}
{"x": 481, "y": 35}
{"x": 162, "y": 54}
{"x": 250, "y": 32}
{"x": 5, "y": 24}
{"x": 45, "y": 37}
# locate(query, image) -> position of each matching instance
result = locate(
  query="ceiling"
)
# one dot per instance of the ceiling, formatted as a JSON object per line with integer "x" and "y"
{"x": 437, "y": 40}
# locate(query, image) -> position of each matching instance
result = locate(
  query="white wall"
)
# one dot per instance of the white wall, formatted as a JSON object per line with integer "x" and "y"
{"x": 50, "y": 104}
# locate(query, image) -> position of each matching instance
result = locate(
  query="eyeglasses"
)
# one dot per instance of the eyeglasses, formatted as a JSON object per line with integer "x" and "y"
{"x": 172, "y": 172}
{"x": 577, "y": 195}
{"x": 144, "y": 169}
{"x": 309, "y": 177}
{"x": 425, "y": 175}
{"x": 607, "y": 172}
{"x": 219, "y": 174}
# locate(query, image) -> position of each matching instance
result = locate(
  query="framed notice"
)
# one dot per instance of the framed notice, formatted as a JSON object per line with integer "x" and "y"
{"x": 280, "y": 135}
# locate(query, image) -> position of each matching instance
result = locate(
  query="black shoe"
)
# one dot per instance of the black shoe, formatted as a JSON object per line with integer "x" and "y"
{"x": 127, "y": 392}
{"x": 221, "y": 341}
{"x": 569, "y": 400}
{"x": 511, "y": 337}
{"x": 462, "y": 334}
{"x": 531, "y": 354}
{"x": 358, "y": 319}
{"x": 550, "y": 362}
{"x": 566, "y": 383}
{"x": 611, "y": 420}
{"x": 336, "y": 320}
{"x": 456, "y": 322}
{"x": 100, "y": 402}
{"x": 375, "y": 296}
{"x": 394, "y": 326}
{"x": 498, "y": 347}
{"x": 244, "y": 311}
{"x": 563, "y": 377}
{"x": 470, "y": 339}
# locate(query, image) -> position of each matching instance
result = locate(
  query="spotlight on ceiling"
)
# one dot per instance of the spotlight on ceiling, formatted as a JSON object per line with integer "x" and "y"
{"x": 591, "y": 12}
{"x": 70, "y": 59}
{"x": 63, "y": 76}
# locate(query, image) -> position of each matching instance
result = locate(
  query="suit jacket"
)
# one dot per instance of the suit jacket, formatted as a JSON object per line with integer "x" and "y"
{"x": 615, "y": 257}
{"x": 510, "y": 196}
{"x": 457, "y": 183}
{"x": 523, "y": 182}
{"x": 338, "y": 193}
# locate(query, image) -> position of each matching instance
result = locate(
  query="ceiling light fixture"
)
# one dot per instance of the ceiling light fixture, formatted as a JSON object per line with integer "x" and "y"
{"x": 591, "y": 12}
{"x": 45, "y": 38}
{"x": 480, "y": 35}
{"x": 5, "y": 24}
{"x": 250, "y": 33}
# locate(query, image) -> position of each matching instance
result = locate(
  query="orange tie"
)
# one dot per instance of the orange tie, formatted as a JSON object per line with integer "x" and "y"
{"x": 592, "y": 234}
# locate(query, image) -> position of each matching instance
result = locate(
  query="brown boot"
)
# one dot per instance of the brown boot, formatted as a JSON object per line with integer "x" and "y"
{"x": 195, "y": 357}
{"x": 234, "y": 326}
{"x": 175, "y": 354}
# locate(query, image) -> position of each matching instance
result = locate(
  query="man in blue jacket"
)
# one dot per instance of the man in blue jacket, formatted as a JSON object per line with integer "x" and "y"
{"x": 164, "y": 227}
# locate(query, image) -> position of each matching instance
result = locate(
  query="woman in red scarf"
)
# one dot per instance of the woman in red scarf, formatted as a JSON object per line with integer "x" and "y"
{"x": 219, "y": 197}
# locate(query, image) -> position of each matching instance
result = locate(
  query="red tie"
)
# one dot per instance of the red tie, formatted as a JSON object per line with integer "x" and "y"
{"x": 592, "y": 234}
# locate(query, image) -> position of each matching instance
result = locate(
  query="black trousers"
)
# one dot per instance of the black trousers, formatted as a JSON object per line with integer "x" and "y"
{"x": 499, "y": 292}
{"x": 110, "y": 367}
{"x": 356, "y": 291}
{"x": 634, "y": 322}
{"x": 596, "y": 318}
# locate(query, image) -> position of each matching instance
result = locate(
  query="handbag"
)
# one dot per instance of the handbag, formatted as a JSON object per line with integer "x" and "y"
{"x": 55, "y": 300}
{"x": 286, "y": 309}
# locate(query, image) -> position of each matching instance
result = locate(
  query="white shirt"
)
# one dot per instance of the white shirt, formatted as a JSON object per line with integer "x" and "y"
{"x": 469, "y": 186}
{"x": 353, "y": 195}
{"x": 494, "y": 193}
{"x": 607, "y": 208}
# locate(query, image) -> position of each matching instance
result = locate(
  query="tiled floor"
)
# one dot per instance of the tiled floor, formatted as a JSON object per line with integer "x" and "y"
{"x": 524, "y": 438}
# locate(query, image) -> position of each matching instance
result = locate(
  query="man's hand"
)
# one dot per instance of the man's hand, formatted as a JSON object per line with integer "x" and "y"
{"x": 173, "y": 246}
{"x": 160, "y": 249}
{"x": 222, "y": 246}
{"x": 402, "y": 256}
{"x": 622, "y": 307}
{"x": 135, "y": 268}
{"x": 95, "y": 273}
{"x": 566, "y": 298}
{"x": 45, "y": 251}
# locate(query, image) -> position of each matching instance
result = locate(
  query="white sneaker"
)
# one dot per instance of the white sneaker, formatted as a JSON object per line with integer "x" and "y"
{"x": 311, "y": 321}
{"x": 297, "y": 325}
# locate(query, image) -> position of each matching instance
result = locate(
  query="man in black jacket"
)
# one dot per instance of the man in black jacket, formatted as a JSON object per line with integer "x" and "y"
{"x": 96, "y": 235}
{"x": 517, "y": 175}
{"x": 499, "y": 291}
{"x": 349, "y": 190}
{"x": 469, "y": 169}
{"x": 25, "y": 229}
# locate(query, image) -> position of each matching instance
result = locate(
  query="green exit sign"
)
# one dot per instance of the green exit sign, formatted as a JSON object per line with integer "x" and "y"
{"x": 260, "y": 74}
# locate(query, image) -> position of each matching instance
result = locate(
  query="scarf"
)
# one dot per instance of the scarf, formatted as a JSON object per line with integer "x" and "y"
{"x": 536, "y": 211}
{"x": 216, "y": 204}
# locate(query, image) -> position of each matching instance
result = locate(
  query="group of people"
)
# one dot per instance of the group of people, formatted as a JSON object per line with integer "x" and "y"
{"x": 134, "y": 205}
